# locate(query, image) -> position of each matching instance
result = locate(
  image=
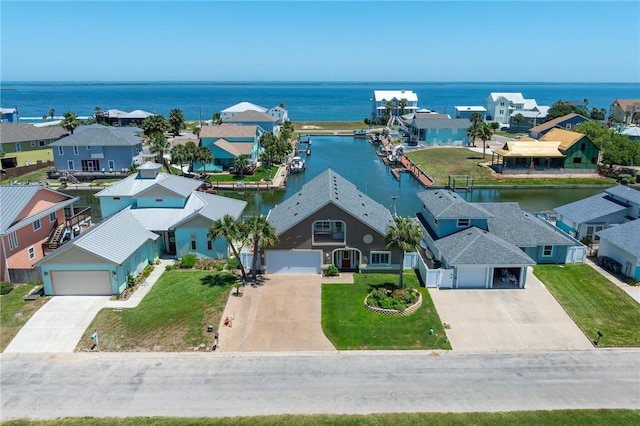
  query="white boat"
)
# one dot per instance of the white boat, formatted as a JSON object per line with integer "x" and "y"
{"x": 297, "y": 165}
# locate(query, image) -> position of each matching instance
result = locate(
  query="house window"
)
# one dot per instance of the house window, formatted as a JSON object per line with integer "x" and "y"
{"x": 42, "y": 143}
{"x": 501, "y": 111}
{"x": 36, "y": 225}
{"x": 158, "y": 200}
{"x": 32, "y": 253}
{"x": 88, "y": 148}
{"x": 380, "y": 257}
{"x": 547, "y": 251}
{"x": 323, "y": 225}
{"x": 18, "y": 147}
{"x": 61, "y": 150}
{"x": 568, "y": 126}
{"x": 112, "y": 165}
{"x": 70, "y": 165}
{"x": 52, "y": 218}
{"x": 75, "y": 150}
{"x": 209, "y": 245}
{"x": 501, "y": 104}
{"x": 116, "y": 198}
{"x": 13, "y": 241}
{"x": 194, "y": 245}
{"x": 463, "y": 223}
{"x": 577, "y": 160}
{"x": 33, "y": 144}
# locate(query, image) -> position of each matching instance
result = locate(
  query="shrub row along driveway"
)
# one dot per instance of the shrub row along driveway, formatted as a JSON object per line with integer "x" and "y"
{"x": 281, "y": 314}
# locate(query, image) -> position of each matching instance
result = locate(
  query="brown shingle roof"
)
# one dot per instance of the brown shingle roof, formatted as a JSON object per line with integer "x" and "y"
{"x": 627, "y": 103}
{"x": 234, "y": 148}
{"x": 228, "y": 131}
{"x": 552, "y": 123}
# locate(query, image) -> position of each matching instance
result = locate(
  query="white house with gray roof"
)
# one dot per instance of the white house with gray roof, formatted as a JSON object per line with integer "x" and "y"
{"x": 582, "y": 219}
{"x": 622, "y": 244}
{"x": 329, "y": 221}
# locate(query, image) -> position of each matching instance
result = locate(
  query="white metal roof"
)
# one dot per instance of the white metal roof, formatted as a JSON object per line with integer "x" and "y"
{"x": 516, "y": 98}
{"x": 472, "y": 108}
{"x": 387, "y": 95}
{"x": 244, "y": 106}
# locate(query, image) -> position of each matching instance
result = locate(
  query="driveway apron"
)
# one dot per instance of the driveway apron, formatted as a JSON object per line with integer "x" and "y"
{"x": 58, "y": 325}
{"x": 281, "y": 314}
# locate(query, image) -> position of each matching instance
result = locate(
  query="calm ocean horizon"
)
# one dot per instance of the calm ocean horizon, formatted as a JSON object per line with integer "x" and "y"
{"x": 305, "y": 101}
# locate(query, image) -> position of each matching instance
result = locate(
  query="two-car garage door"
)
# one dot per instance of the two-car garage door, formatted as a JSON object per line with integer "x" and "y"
{"x": 81, "y": 283}
{"x": 294, "y": 261}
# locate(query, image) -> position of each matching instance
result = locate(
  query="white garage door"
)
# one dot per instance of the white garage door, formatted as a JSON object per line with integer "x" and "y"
{"x": 294, "y": 262}
{"x": 81, "y": 283}
{"x": 471, "y": 277}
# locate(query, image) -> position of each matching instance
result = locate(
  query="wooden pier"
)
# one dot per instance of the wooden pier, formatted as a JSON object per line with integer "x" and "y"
{"x": 417, "y": 172}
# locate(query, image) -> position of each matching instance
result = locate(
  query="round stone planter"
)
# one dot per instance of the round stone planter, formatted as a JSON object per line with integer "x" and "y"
{"x": 393, "y": 312}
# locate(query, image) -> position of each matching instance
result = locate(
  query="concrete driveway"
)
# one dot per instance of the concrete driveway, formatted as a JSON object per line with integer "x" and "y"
{"x": 281, "y": 314}
{"x": 507, "y": 320}
{"x": 58, "y": 325}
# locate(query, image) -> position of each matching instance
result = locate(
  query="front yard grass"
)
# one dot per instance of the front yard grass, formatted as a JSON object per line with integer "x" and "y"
{"x": 593, "y": 303}
{"x": 314, "y": 126}
{"x": 348, "y": 324}
{"x": 15, "y": 312}
{"x": 601, "y": 417}
{"x": 439, "y": 163}
{"x": 172, "y": 317}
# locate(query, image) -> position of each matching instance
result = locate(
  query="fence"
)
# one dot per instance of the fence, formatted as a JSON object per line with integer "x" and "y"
{"x": 31, "y": 276}
{"x": 23, "y": 170}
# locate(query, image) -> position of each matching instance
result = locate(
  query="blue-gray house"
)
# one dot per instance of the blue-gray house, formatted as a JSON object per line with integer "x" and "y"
{"x": 567, "y": 122}
{"x": 489, "y": 244}
{"x": 97, "y": 148}
{"x": 439, "y": 130}
{"x": 622, "y": 244}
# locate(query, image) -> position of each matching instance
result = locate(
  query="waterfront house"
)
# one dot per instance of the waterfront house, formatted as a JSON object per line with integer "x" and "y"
{"x": 621, "y": 243}
{"x": 382, "y": 99}
{"x": 584, "y": 218}
{"x": 134, "y": 118}
{"x": 110, "y": 116}
{"x": 33, "y": 221}
{"x": 528, "y": 118}
{"x": 330, "y": 222}
{"x": 623, "y": 110}
{"x": 227, "y": 142}
{"x": 438, "y": 130}
{"x": 9, "y": 115}
{"x": 466, "y": 111}
{"x": 632, "y": 133}
{"x": 171, "y": 206}
{"x": 267, "y": 123}
{"x": 96, "y": 149}
{"x": 23, "y": 144}
{"x": 279, "y": 112}
{"x": 567, "y": 122}
{"x": 558, "y": 151}
{"x": 500, "y": 106}
{"x": 488, "y": 244}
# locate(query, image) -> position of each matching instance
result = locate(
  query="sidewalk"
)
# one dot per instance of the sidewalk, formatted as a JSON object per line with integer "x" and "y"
{"x": 144, "y": 287}
{"x": 633, "y": 291}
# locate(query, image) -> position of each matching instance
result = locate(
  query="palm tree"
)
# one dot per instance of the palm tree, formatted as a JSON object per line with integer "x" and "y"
{"x": 486, "y": 131}
{"x": 70, "y": 121}
{"x": 259, "y": 232}
{"x": 52, "y": 112}
{"x": 231, "y": 230}
{"x": 154, "y": 124}
{"x": 176, "y": 120}
{"x": 405, "y": 235}
{"x": 204, "y": 156}
{"x": 476, "y": 118}
{"x": 216, "y": 118}
{"x": 179, "y": 156}
{"x": 44, "y": 118}
{"x": 518, "y": 118}
{"x": 191, "y": 151}
{"x": 474, "y": 132}
{"x": 97, "y": 112}
{"x": 241, "y": 163}
{"x": 159, "y": 146}
{"x": 389, "y": 107}
{"x": 402, "y": 105}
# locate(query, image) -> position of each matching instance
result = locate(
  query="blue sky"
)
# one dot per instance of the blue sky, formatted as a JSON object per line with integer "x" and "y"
{"x": 573, "y": 41}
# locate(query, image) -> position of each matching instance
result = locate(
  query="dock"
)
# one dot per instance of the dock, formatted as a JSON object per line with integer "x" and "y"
{"x": 417, "y": 172}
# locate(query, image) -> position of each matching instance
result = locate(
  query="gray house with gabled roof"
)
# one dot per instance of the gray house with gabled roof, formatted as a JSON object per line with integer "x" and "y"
{"x": 622, "y": 244}
{"x": 329, "y": 221}
{"x": 96, "y": 148}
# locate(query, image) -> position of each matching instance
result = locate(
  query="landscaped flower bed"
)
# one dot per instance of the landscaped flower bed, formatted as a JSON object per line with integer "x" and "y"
{"x": 398, "y": 302}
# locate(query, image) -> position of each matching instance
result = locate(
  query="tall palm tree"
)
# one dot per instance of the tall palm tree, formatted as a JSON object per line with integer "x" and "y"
{"x": 241, "y": 163}
{"x": 259, "y": 231}
{"x": 476, "y": 118}
{"x": 518, "y": 118}
{"x": 52, "y": 112}
{"x": 406, "y": 236}
{"x": 231, "y": 230}
{"x": 474, "y": 132}
{"x": 176, "y": 121}
{"x": 389, "y": 107}
{"x": 402, "y": 105}
{"x": 159, "y": 146}
{"x": 486, "y": 131}
{"x": 204, "y": 156}
{"x": 179, "y": 156}
{"x": 70, "y": 121}
{"x": 191, "y": 152}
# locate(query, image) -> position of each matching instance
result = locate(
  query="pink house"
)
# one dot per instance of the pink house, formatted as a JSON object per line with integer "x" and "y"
{"x": 35, "y": 220}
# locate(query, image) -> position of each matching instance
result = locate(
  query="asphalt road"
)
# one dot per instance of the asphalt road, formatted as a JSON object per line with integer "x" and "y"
{"x": 217, "y": 384}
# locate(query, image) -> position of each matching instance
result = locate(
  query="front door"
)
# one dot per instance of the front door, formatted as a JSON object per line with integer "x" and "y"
{"x": 172, "y": 242}
{"x": 346, "y": 259}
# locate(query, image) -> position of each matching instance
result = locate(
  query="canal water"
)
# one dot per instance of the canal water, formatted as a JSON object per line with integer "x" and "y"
{"x": 356, "y": 160}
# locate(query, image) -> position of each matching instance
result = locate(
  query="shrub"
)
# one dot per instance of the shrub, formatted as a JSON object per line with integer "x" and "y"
{"x": 232, "y": 264}
{"x": 5, "y": 287}
{"x": 170, "y": 267}
{"x": 131, "y": 281}
{"x": 210, "y": 264}
{"x": 147, "y": 271}
{"x": 388, "y": 299}
{"x": 332, "y": 271}
{"x": 188, "y": 261}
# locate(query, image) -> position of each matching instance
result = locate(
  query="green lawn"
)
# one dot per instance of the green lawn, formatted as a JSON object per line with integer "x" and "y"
{"x": 593, "y": 303}
{"x": 172, "y": 317}
{"x": 15, "y": 312}
{"x": 439, "y": 163}
{"x": 260, "y": 175}
{"x": 33, "y": 177}
{"x": 314, "y": 126}
{"x": 548, "y": 418}
{"x": 349, "y": 325}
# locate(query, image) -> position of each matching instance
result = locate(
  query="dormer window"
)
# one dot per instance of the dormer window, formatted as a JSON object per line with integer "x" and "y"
{"x": 463, "y": 223}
